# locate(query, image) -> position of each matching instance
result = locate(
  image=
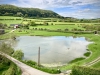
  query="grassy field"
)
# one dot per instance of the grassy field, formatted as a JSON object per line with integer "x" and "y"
{"x": 94, "y": 47}
{"x": 97, "y": 65}
{"x": 6, "y": 20}
{"x": 55, "y": 27}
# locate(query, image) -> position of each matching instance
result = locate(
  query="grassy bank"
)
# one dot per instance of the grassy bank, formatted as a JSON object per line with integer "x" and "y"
{"x": 93, "y": 47}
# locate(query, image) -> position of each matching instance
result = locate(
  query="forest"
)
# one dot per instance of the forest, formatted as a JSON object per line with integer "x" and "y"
{"x": 11, "y": 10}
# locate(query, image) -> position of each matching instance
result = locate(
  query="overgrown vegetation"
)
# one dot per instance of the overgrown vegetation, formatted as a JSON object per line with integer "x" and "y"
{"x": 80, "y": 70}
{"x": 40, "y": 67}
{"x": 87, "y": 54}
{"x": 97, "y": 65}
{"x": 6, "y": 66}
{"x": 6, "y": 49}
{"x": 12, "y": 70}
{"x": 18, "y": 54}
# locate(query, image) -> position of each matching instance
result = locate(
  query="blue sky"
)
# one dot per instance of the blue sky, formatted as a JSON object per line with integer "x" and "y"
{"x": 68, "y": 8}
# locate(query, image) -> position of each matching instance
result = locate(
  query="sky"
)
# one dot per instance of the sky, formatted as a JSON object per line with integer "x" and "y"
{"x": 87, "y": 9}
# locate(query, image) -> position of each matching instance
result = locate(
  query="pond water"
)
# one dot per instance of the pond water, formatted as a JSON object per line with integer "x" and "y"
{"x": 52, "y": 49}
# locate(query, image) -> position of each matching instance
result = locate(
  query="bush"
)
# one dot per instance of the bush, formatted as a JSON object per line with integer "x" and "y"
{"x": 13, "y": 70}
{"x": 80, "y": 70}
{"x": 18, "y": 54}
{"x": 45, "y": 69}
{"x": 6, "y": 48}
{"x": 87, "y": 54}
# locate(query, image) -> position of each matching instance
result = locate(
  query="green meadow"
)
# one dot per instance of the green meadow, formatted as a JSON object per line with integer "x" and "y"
{"x": 94, "y": 47}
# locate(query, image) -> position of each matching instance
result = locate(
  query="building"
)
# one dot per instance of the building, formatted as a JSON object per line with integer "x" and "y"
{"x": 15, "y": 25}
{"x": 2, "y": 31}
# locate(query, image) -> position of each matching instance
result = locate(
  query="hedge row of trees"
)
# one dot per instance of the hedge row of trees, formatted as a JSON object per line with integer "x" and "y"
{"x": 11, "y": 19}
{"x": 78, "y": 31}
{"x": 79, "y": 70}
{"x": 91, "y": 27}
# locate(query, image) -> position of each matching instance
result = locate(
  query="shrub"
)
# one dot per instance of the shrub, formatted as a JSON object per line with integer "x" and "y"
{"x": 18, "y": 54}
{"x": 87, "y": 54}
{"x": 42, "y": 68}
{"x": 80, "y": 70}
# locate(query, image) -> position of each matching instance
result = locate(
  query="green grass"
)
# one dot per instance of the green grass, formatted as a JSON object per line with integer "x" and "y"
{"x": 8, "y": 22}
{"x": 3, "y": 67}
{"x": 77, "y": 59}
{"x": 9, "y": 17}
{"x": 97, "y": 65}
{"x": 55, "y": 27}
{"x": 40, "y": 33}
{"x": 94, "y": 47}
{"x": 38, "y": 21}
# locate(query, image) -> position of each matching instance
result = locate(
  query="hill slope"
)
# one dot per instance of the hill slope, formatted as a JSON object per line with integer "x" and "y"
{"x": 11, "y": 10}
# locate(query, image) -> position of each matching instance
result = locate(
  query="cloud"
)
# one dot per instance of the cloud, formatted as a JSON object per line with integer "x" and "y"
{"x": 51, "y": 3}
{"x": 83, "y": 2}
{"x": 84, "y": 10}
{"x": 83, "y": 13}
{"x": 76, "y": 6}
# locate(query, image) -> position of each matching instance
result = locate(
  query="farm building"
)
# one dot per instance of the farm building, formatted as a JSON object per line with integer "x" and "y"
{"x": 2, "y": 31}
{"x": 15, "y": 25}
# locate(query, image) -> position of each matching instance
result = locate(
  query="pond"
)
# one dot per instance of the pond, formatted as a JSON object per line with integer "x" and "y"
{"x": 55, "y": 49}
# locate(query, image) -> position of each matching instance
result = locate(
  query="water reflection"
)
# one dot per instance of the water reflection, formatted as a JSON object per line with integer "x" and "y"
{"x": 53, "y": 49}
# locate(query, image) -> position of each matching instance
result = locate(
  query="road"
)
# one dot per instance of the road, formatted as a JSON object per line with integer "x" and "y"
{"x": 27, "y": 70}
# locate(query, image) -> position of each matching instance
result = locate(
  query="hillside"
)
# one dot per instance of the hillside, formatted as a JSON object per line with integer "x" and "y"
{"x": 11, "y": 10}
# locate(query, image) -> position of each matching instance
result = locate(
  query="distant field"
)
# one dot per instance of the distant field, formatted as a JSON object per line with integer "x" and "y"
{"x": 9, "y": 17}
{"x": 62, "y": 25}
{"x": 55, "y": 27}
{"x": 8, "y": 22}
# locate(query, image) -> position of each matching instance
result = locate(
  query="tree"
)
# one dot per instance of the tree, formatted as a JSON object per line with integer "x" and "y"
{"x": 46, "y": 23}
{"x": 6, "y": 48}
{"x": 18, "y": 54}
{"x": 32, "y": 23}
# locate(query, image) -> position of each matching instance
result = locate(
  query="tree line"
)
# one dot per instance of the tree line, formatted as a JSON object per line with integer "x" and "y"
{"x": 11, "y": 10}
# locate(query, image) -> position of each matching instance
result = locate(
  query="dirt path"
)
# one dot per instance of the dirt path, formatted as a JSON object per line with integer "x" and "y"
{"x": 27, "y": 70}
{"x": 92, "y": 62}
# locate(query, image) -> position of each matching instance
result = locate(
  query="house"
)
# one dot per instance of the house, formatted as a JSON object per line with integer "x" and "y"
{"x": 2, "y": 31}
{"x": 15, "y": 25}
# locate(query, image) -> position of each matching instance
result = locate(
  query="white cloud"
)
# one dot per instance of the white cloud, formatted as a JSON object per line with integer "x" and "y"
{"x": 53, "y": 4}
{"x": 83, "y": 2}
{"x": 84, "y": 10}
